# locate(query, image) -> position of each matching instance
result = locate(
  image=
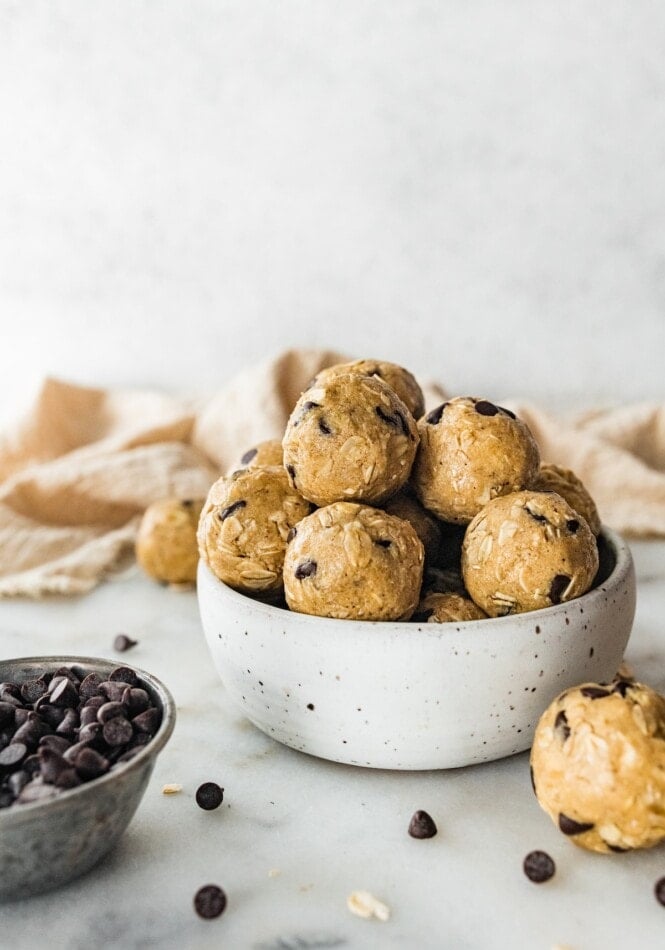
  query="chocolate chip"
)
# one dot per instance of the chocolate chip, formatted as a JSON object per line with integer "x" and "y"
{"x": 383, "y": 542}
{"x": 90, "y": 686}
{"x": 305, "y": 569}
{"x": 571, "y": 827}
{"x": 135, "y": 700}
{"x": 231, "y": 509}
{"x": 10, "y": 693}
{"x": 124, "y": 674}
{"x": 536, "y": 515}
{"x": 113, "y": 690}
{"x": 397, "y": 421}
{"x": 324, "y": 427}
{"x": 64, "y": 693}
{"x": 32, "y": 690}
{"x": 507, "y": 412}
{"x": 539, "y": 866}
{"x": 69, "y": 723}
{"x": 434, "y": 417}
{"x": 622, "y": 687}
{"x": 122, "y": 642}
{"x": 12, "y": 754}
{"x": 306, "y": 406}
{"x": 110, "y": 711}
{"x": 422, "y": 825}
{"x": 56, "y": 743}
{"x": 90, "y": 764}
{"x": 91, "y": 732}
{"x": 594, "y": 692}
{"x": 52, "y": 763}
{"x": 659, "y": 891}
{"x": 533, "y": 780}
{"x": 7, "y": 713}
{"x": 617, "y": 849}
{"x": 486, "y": 408}
{"x": 573, "y": 525}
{"x": 29, "y": 733}
{"x": 209, "y": 901}
{"x": 561, "y": 726}
{"x": 292, "y": 474}
{"x": 422, "y": 616}
{"x": 558, "y": 587}
{"x": 209, "y": 796}
{"x": 117, "y": 731}
{"x": 148, "y": 721}
{"x": 247, "y": 457}
{"x": 51, "y": 715}
{"x": 291, "y": 535}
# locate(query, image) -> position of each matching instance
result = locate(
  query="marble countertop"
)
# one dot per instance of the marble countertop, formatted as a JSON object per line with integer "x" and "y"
{"x": 296, "y": 835}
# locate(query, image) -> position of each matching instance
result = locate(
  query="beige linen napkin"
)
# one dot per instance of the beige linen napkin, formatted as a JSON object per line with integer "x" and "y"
{"x": 76, "y": 474}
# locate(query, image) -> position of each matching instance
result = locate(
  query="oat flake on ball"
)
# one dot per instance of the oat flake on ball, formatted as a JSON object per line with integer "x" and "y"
{"x": 598, "y": 762}
{"x": 353, "y": 562}
{"x": 244, "y": 526}
{"x": 351, "y": 439}
{"x": 399, "y": 379}
{"x": 526, "y": 551}
{"x": 471, "y": 451}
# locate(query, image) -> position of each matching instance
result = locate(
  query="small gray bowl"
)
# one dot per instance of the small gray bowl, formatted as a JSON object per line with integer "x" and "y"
{"x": 46, "y": 844}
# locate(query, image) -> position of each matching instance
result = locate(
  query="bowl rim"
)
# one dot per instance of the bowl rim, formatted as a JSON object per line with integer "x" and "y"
{"x": 623, "y": 566}
{"x": 14, "y": 815}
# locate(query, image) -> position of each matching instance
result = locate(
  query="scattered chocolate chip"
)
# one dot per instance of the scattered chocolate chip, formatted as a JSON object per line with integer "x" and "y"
{"x": 434, "y": 417}
{"x": 209, "y": 901}
{"x": 51, "y": 765}
{"x": 310, "y": 706}
{"x": 122, "y": 642}
{"x": 573, "y": 525}
{"x": 594, "y": 692}
{"x": 422, "y": 825}
{"x": 659, "y": 891}
{"x": 231, "y": 509}
{"x": 571, "y": 827}
{"x": 561, "y": 726}
{"x": 291, "y": 535}
{"x": 247, "y": 457}
{"x": 69, "y": 723}
{"x": 539, "y": 866}
{"x": 558, "y": 587}
{"x": 56, "y": 743}
{"x": 486, "y": 408}
{"x": 90, "y": 686}
{"x": 305, "y": 569}
{"x": 209, "y": 796}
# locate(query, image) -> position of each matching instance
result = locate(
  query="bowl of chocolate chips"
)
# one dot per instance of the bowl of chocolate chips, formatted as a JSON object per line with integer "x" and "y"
{"x": 79, "y": 737}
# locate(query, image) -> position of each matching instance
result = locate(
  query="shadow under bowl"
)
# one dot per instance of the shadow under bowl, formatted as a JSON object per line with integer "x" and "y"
{"x": 46, "y": 844}
{"x": 398, "y": 695}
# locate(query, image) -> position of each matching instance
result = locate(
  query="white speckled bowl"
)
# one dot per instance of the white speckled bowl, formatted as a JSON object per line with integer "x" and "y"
{"x": 414, "y": 695}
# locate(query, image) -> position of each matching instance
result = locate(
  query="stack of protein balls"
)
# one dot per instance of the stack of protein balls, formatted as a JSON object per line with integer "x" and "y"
{"x": 364, "y": 513}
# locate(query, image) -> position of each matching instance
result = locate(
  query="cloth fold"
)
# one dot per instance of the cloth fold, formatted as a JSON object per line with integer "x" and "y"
{"x": 77, "y": 473}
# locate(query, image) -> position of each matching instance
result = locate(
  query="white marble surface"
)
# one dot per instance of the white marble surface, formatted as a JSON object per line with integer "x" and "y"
{"x": 328, "y": 829}
{"x": 474, "y": 189}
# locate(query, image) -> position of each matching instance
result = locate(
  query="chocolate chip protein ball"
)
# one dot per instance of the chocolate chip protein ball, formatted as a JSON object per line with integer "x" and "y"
{"x": 525, "y": 551}
{"x": 568, "y": 485}
{"x": 261, "y": 454}
{"x": 399, "y": 379}
{"x": 406, "y": 506}
{"x": 447, "y": 608}
{"x": 244, "y": 526}
{"x": 166, "y": 541}
{"x": 351, "y": 439}
{"x": 598, "y": 765}
{"x": 355, "y": 563}
{"x": 471, "y": 451}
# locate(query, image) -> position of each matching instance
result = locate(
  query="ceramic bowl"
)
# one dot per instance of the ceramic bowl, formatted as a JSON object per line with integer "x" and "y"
{"x": 414, "y": 695}
{"x": 46, "y": 844}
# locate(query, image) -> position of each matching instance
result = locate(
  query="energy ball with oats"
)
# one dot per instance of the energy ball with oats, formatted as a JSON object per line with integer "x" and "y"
{"x": 355, "y": 563}
{"x": 406, "y": 506}
{"x": 351, "y": 439}
{"x": 471, "y": 451}
{"x": 399, "y": 379}
{"x": 166, "y": 541}
{"x": 568, "y": 485}
{"x": 525, "y": 551}
{"x": 598, "y": 762}
{"x": 447, "y": 608}
{"x": 244, "y": 526}
{"x": 260, "y": 455}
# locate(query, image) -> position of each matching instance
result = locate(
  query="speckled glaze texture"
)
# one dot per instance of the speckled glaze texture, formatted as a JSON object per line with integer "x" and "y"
{"x": 47, "y": 844}
{"x": 414, "y": 696}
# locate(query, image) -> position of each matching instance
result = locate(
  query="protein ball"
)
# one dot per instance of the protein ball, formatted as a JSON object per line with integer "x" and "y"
{"x": 568, "y": 485}
{"x": 404, "y": 505}
{"x": 598, "y": 761}
{"x": 471, "y": 451}
{"x": 526, "y": 551}
{"x": 166, "y": 541}
{"x": 244, "y": 526}
{"x": 447, "y": 608}
{"x": 350, "y": 440}
{"x": 354, "y": 562}
{"x": 400, "y": 380}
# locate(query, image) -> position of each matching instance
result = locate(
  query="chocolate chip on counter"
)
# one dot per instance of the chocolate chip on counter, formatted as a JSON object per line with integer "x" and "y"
{"x": 573, "y": 525}
{"x": 231, "y": 509}
{"x": 12, "y": 754}
{"x": 123, "y": 674}
{"x": 434, "y": 417}
{"x": 209, "y": 796}
{"x": 539, "y": 866}
{"x": 209, "y": 901}
{"x": 485, "y": 408}
{"x": 561, "y": 726}
{"x": 422, "y": 825}
{"x": 571, "y": 827}
{"x": 305, "y": 569}
{"x": 117, "y": 731}
{"x": 558, "y": 587}
{"x": 659, "y": 891}
{"x": 122, "y": 642}
{"x": 247, "y": 456}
